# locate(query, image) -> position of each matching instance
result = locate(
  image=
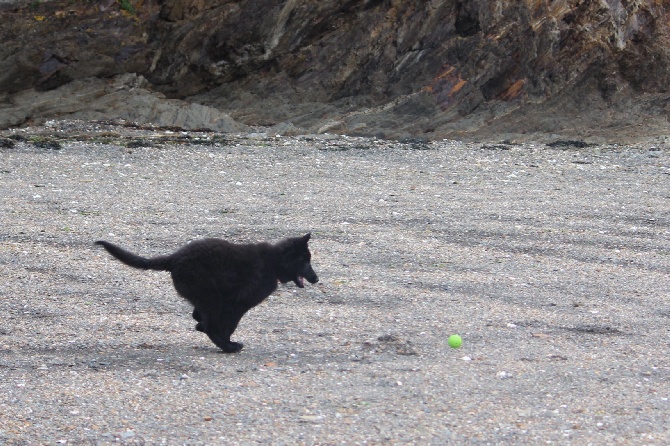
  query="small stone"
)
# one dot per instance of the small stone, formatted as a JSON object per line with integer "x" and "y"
{"x": 310, "y": 418}
{"x": 47, "y": 144}
{"x": 525, "y": 412}
{"x": 6, "y": 143}
{"x": 540, "y": 335}
{"x": 257, "y": 135}
{"x": 504, "y": 375}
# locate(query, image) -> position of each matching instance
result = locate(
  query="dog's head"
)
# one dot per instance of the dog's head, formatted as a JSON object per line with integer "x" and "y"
{"x": 294, "y": 261}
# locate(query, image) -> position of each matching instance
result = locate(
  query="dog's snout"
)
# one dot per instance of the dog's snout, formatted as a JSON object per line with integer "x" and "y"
{"x": 311, "y": 276}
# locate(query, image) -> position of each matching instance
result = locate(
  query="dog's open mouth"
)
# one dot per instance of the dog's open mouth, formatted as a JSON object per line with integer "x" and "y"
{"x": 300, "y": 280}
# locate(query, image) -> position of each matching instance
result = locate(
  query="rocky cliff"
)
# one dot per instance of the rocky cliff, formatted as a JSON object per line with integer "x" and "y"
{"x": 433, "y": 69}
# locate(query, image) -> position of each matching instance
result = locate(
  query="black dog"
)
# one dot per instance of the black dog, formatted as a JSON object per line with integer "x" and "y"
{"x": 225, "y": 280}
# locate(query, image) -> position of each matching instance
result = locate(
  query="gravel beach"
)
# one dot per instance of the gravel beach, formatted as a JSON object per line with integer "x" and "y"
{"x": 551, "y": 263}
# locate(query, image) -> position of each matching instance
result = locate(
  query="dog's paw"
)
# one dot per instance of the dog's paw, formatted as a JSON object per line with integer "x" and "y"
{"x": 200, "y": 327}
{"x": 232, "y": 347}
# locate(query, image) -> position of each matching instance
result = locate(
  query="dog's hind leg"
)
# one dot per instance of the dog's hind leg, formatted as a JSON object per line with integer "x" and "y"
{"x": 219, "y": 331}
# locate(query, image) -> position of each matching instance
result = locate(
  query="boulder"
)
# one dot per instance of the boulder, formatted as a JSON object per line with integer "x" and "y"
{"x": 123, "y": 97}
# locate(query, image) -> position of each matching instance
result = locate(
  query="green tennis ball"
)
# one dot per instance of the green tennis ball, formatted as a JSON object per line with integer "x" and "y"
{"x": 455, "y": 341}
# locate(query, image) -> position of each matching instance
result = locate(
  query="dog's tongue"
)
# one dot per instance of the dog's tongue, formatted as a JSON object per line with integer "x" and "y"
{"x": 300, "y": 281}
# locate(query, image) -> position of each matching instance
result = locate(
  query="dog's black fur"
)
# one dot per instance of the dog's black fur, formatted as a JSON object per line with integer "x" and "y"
{"x": 224, "y": 280}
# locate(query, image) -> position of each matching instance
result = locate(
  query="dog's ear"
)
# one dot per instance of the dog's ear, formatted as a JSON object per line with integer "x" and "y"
{"x": 305, "y": 238}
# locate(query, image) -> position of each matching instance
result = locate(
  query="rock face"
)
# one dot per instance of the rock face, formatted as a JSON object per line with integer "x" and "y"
{"x": 123, "y": 97}
{"x": 463, "y": 68}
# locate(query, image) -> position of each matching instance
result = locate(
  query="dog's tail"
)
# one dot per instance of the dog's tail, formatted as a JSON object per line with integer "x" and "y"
{"x": 163, "y": 263}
